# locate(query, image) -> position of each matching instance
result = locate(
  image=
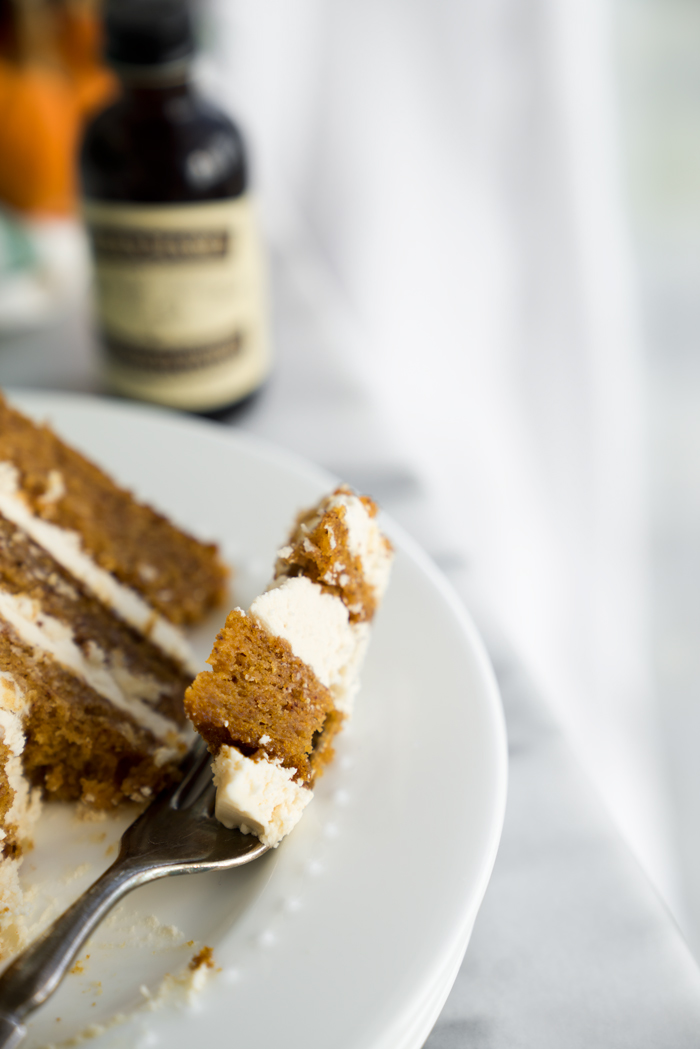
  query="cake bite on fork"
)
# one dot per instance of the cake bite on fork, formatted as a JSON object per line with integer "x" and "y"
{"x": 284, "y": 674}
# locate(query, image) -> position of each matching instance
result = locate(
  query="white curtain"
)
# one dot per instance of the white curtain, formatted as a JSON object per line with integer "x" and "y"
{"x": 454, "y": 165}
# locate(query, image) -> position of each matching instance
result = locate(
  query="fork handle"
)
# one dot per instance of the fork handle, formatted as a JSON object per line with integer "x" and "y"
{"x": 36, "y": 973}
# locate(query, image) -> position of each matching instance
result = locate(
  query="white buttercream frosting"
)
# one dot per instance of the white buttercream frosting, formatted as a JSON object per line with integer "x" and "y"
{"x": 258, "y": 797}
{"x": 66, "y": 547}
{"x": 55, "y": 489}
{"x": 345, "y": 689}
{"x": 104, "y": 672}
{"x": 318, "y": 629}
{"x": 23, "y": 813}
{"x": 13, "y": 706}
{"x": 364, "y": 539}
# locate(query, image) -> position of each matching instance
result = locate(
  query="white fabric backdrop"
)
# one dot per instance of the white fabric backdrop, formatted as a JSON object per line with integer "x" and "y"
{"x": 453, "y": 165}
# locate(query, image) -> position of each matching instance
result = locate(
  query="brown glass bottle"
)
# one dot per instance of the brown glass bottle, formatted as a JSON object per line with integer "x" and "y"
{"x": 178, "y": 268}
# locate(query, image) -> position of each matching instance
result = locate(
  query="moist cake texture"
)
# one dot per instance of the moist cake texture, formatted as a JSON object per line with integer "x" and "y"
{"x": 93, "y": 665}
{"x": 284, "y": 675}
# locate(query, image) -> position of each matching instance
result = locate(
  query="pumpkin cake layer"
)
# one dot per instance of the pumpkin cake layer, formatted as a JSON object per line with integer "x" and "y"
{"x": 338, "y": 545}
{"x": 285, "y": 674}
{"x": 87, "y": 514}
{"x": 263, "y": 700}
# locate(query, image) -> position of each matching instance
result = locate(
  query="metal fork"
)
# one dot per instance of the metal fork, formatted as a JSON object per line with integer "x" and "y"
{"x": 177, "y": 834}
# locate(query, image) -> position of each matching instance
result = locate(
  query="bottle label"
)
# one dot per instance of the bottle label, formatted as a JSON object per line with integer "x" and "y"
{"x": 180, "y": 300}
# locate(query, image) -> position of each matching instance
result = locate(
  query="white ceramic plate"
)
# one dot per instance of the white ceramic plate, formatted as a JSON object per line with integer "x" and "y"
{"x": 350, "y": 934}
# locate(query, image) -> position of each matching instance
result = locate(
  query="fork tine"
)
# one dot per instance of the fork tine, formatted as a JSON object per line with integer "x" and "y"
{"x": 171, "y": 836}
{"x": 194, "y": 764}
{"x": 195, "y": 786}
{"x": 205, "y": 804}
{"x": 193, "y": 757}
{"x": 197, "y": 782}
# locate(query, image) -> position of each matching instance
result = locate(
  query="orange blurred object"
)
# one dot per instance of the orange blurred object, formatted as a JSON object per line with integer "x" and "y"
{"x": 45, "y": 94}
{"x": 79, "y": 43}
{"x": 39, "y": 125}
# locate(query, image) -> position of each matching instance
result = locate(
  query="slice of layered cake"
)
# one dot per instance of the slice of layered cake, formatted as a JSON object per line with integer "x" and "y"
{"x": 132, "y": 558}
{"x": 93, "y": 665}
{"x": 284, "y": 675}
{"x": 103, "y": 715}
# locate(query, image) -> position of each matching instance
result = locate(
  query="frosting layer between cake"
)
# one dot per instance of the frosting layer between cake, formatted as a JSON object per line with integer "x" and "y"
{"x": 127, "y": 691}
{"x": 317, "y": 626}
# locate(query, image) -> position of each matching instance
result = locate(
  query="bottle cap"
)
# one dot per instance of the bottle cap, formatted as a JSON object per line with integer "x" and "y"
{"x": 144, "y": 34}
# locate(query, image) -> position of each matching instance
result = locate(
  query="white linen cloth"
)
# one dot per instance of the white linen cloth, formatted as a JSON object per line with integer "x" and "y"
{"x": 452, "y": 164}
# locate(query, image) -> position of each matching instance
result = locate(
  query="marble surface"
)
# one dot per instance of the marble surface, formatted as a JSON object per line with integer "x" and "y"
{"x": 572, "y": 947}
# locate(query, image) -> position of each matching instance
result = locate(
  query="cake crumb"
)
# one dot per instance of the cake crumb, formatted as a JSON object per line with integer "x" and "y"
{"x": 55, "y": 488}
{"x": 203, "y": 957}
{"x": 83, "y": 814}
{"x": 148, "y": 573}
{"x": 78, "y": 872}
